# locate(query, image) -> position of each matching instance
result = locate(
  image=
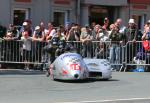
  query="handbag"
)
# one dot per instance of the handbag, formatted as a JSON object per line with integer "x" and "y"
{"x": 146, "y": 45}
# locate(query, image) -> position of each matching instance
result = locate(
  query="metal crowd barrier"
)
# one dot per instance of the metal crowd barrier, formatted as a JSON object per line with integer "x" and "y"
{"x": 12, "y": 52}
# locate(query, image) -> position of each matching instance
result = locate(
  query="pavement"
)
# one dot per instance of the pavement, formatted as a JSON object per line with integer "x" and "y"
{"x": 20, "y": 86}
{"x": 20, "y": 72}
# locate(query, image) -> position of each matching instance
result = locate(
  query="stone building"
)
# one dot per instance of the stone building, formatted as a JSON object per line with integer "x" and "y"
{"x": 77, "y": 11}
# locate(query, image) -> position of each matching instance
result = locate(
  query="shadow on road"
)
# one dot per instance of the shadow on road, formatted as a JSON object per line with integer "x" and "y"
{"x": 87, "y": 80}
{"x": 20, "y": 72}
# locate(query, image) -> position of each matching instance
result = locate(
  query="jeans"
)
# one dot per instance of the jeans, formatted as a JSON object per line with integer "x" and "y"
{"x": 115, "y": 56}
{"x": 87, "y": 50}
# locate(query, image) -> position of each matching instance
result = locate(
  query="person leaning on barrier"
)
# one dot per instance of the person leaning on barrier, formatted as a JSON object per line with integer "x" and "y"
{"x": 102, "y": 37}
{"x": 119, "y": 23}
{"x": 73, "y": 36}
{"x": 145, "y": 44}
{"x": 50, "y": 31}
{"x": 38, "y": 42}
{"x": 12, "y": 33}
{"x": 116, "y": 40}
{"x": 3, "y": 31}
{"x": 130, "y": 35}
{"x": 10, "y": 43}
{"x": 86, "y": 39}
{"x": 74, "y": 33}
{"x": 26, "y": 48}
{"x": 53, "y": 45}
{"x": 146, "y": 33}
{"x": 26, "y": 26}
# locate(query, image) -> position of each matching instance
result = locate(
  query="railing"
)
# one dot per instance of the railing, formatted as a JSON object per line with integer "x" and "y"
{"x": 118, "y": 54}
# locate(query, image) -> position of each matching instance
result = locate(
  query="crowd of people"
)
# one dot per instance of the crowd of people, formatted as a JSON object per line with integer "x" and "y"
{"x": 116, "y": 34}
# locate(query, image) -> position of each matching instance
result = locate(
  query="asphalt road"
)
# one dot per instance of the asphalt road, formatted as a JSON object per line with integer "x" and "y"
{"x": 34, "y": 87}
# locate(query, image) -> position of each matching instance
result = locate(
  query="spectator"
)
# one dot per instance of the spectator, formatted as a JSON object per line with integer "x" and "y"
{"x": 95, "y": 32}
{"x": 38, "y": 34}
{"x": 53, "y": 45}
{"x": 146, "y": 46}
{"x": 86, "y": 39}
{"x": 51, "y": 31}
{"x": 116, "y": 38}
{"x": 93, "y": 24}
{"x": 111, "y": 28}
{"x": 26, "y": 48}
{"x": 10, "y": 43}
{"x": 62, "y": 30}
{"x": 12, "y": 33}
{"x": 102, "y": 37}
{"x": 2, "y": 34}
{"x": 120, "y": 25}
{"x": 38, "y": 38}
{"x": 26, "y": 27}
{"x": 130, "y": 39}
{"x": 67, "y": 29}
{"x": 106, "y": 23}
{"x": 146, "y": 35}
{"x": 74, "y": 34}
{"x": 42, "y": 26}
{"x": 3, "y": 31}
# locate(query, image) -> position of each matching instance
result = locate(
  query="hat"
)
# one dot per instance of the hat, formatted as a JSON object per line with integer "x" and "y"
{"x": 37, "y": 27}
{"x": 131, "y": 21}
{"x": 25, "y": 23}
{"x": 106, "y": 19}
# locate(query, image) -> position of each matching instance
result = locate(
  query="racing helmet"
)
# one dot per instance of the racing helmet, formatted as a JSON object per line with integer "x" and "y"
{"x": 62, "y": 43}
{"x": 55, "y": 41}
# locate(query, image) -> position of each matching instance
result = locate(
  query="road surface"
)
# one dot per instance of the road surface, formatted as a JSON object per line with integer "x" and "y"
{"x": 19, "y": 86}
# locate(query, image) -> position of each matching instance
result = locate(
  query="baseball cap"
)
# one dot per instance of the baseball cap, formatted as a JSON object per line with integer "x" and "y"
{"x": 25, "y": 23}
{"x": 37, "y": 27}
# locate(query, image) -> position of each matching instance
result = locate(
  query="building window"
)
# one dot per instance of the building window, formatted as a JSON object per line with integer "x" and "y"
{"x": 60, "y": 17}
{"x": 140, "y": 20}
{"x": 62, "y": 2}
{"x": 98, "y": 13}
{"x": 20, "y": 15}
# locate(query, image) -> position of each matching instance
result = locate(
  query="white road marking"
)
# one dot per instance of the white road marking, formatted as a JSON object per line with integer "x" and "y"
{"x": 113, "y": 100}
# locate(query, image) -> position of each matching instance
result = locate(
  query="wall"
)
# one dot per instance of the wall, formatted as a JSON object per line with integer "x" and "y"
{"x": 84, "y": 15}
{"x": 41, "y": 11}
{"x": 5, "y": 10}
{"x": 105, "y": 2}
